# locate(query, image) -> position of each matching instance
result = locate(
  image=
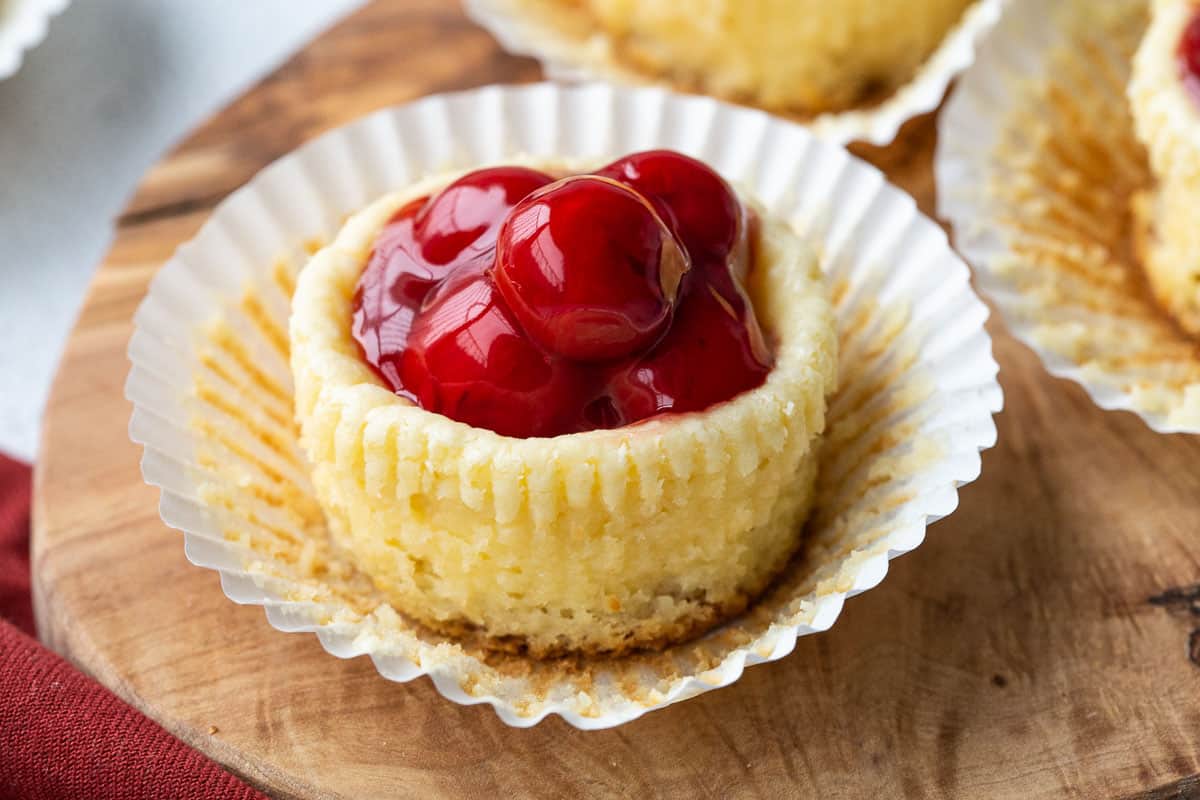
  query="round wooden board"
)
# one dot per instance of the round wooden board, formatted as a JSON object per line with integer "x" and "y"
{"x": 1017, "y": 654}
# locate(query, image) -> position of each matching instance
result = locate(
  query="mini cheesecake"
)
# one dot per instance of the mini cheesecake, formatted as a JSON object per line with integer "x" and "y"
{"x": 801, "y": 56}
{"x": 565, "y": 411}
{"x": 1165, "y": 97}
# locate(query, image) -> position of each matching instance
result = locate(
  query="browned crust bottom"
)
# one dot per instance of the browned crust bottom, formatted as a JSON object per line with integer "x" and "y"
{"x": 869, "y": 94}
{"x": 650, "y": 635}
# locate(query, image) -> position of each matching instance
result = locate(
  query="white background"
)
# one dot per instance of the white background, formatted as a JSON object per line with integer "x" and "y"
{"x": 114, "y": 84}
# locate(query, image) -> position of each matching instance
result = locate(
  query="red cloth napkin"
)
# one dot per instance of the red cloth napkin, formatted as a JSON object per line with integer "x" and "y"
{"x": 62, "y": 735}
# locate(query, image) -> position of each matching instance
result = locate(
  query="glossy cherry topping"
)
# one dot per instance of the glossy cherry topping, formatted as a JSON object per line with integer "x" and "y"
{"x": 465, "y": 215}
{"x": 713, "y": 351}
{"x": 589, "y": 269}
{"x": 1189, "y": 55}
{"x": 468, "y": 358}
{"x": 697, "y": 202}
{"x": 535, "y": 307}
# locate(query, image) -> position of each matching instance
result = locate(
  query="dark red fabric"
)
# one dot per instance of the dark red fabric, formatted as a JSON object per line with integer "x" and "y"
{"x": 62, "y": 735}
{"x": 15, "y": 603}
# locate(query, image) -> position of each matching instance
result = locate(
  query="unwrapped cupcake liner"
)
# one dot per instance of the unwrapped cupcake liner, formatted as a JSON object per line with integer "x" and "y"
{"x": 568, "y": 53}
{"x": 1037, "y": 168}
{"x": 211, "y": 385}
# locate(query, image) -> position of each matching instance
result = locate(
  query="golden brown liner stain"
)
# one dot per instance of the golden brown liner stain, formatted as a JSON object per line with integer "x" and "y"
{"x": 870, "y": 451}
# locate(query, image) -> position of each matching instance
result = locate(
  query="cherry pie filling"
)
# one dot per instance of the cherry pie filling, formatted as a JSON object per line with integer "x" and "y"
{"x": 1189, "y": 55}
{"x": 537, "y": 307}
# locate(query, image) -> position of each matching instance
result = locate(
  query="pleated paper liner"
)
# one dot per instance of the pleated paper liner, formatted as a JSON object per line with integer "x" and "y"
{"x": 212, "y": 391}
{"x": 563, "y": 39}
{"x": 1037, "y": 169}
{"x": 23, "y": 26}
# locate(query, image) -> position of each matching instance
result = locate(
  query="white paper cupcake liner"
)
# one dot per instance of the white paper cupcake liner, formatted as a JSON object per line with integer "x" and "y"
{"x": 23, "y": 25}
{"x": 1036, "y": 166}
{"x": 568, "y": 57}
{"x": 211, "y": 386}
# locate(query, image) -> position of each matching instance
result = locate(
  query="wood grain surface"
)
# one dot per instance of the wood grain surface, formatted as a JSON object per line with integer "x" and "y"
{"x": 1041, "y": 644}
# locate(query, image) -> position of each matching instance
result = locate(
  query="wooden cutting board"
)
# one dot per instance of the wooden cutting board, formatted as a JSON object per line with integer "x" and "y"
{"x": 1020, "y": 653}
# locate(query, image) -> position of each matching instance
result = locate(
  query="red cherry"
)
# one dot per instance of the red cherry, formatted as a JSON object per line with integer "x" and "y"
{"x": 467, "y": 213}
{"x": 1189, "y": 55}
{"x": 484, "y": 303}
{"x": 421, "y": 244}
{"x": 714, "y": 351}
{"x": 695, "y": 200}
{"x": 466, "y": 358}
{"x": 390, "y": 290}
{"x": 589, "y": 269}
